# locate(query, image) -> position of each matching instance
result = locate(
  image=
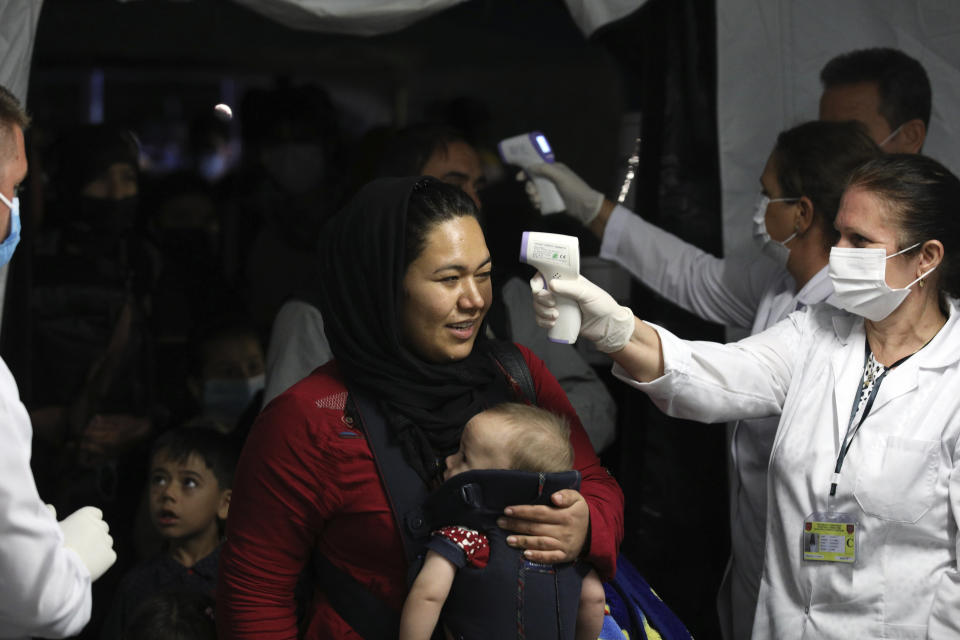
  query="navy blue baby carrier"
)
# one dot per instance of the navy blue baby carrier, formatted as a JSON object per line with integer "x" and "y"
{"x": 365, "y": 613}
{"x": 373, "y": 619}
{"x": 510, "y": 597}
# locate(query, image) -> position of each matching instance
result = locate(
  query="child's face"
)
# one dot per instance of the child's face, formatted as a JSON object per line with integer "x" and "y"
{"x": 233, "y": 358}
{"x": 483, "y": 445}
{"x": 185, "y": 497}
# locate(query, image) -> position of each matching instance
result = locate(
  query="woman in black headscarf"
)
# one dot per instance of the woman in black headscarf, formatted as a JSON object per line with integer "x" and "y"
{"x": 406, "y": 286}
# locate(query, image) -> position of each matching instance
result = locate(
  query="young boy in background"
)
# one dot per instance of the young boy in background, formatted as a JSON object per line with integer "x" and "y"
{"x": 191, "y": 472}
{"x": 508, "y": 436}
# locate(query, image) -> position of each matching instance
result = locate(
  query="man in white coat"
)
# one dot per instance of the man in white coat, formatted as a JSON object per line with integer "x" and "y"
{"x": 886, "y": 90}
{"x": 46, "y": 567}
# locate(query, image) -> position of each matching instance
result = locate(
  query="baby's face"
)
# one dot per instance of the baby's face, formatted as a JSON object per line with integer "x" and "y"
{"x": 483, "y": 445}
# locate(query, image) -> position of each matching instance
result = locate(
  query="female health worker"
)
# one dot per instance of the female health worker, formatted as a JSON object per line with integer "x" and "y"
{"x": 867, "y": 450}
{"x": 800, "y": 190}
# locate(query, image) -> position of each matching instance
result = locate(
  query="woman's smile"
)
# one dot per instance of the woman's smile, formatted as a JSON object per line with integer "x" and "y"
{"x": 463, "y": 330}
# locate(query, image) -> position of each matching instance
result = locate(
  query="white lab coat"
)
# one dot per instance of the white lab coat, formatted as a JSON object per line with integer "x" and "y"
{"x": 44, "y": 587}
{"x": 741, "y": 293}
{"x": 900, "y": 479}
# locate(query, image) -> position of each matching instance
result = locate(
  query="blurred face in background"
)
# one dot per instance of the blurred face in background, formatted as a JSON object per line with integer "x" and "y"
{"x": 457, "y": 164}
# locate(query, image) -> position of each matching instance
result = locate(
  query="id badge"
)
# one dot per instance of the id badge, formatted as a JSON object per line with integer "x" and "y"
{"x": 830, "y": 537}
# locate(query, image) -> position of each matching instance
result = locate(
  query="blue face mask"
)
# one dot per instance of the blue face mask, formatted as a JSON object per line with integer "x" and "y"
{"x": 226, "y": 398}
{"x": 8, "y": 246}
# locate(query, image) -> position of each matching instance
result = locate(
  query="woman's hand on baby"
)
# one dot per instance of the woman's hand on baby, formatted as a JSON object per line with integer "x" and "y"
{"x": 549, "y": 535}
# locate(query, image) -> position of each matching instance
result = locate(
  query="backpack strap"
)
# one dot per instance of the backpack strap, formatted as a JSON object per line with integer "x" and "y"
{"x": 405, "y": 490}
{"x": 366, "y": 613}
{"x": 510, "y": 361}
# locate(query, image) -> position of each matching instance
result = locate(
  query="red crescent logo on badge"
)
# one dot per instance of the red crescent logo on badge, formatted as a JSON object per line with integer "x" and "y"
{"x": 807, "y": 526}
{"x": 849, "y": 528}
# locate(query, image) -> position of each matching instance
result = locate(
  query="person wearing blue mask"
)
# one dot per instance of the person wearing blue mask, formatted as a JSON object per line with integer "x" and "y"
{"x": 227, "y": 380}
{"x": 47, "y": 567}
{"x": 8, "y": 246}
{"x": 862, "y": 487}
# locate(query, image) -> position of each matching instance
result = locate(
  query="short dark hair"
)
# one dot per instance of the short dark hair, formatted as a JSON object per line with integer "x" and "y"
{"x": 11, "y": 112}
{"x": 218, "y": 451}
{"x": 921, "y": 195}
{"x": 84, "y": 152}
{"x": 226, "y": 326}
{"x": 902, "y": 82}
{"x": 11, "y": 115}
{"x": 431, "y": 203}
{"x": 815, "y": 160}
{"x": 411, "y": 149}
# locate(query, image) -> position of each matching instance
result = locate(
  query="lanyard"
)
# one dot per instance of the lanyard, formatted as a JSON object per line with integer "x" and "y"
{"x": 851, "y": 429}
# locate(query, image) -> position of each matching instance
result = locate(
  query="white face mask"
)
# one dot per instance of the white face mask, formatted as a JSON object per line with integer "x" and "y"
{"x": 860, "y": 285}
{"x": 775, "y": 249}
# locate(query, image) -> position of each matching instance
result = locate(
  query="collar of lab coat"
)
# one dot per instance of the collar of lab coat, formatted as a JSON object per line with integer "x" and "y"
{"x": 942, "y": 351}
{"x": 847, "y": 362}
{"x": 817, "y": 289}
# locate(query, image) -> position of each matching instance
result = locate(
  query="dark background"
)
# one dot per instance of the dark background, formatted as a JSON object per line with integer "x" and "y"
{"x": 153, "y": 65}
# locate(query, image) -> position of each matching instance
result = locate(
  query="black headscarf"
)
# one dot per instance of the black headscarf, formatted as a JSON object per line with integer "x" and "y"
{"x": 362, "y": 266}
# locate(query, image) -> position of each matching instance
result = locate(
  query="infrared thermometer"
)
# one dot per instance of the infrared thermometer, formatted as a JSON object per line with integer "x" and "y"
{"x": 556, "y": 257}
{"x": 532, "y": 148}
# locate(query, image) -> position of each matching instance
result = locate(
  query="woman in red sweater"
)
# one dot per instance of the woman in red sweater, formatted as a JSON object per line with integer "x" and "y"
{"x": 405, "y": 288}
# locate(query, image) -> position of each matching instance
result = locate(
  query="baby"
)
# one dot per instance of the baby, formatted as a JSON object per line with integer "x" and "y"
{"x": 508, "y": 436}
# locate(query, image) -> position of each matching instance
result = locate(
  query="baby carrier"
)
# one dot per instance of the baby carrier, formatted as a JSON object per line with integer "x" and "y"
{"x": 510, "y": 596}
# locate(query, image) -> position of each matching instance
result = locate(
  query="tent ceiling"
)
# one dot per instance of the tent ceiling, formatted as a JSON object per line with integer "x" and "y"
{"x": 219, "y": 34}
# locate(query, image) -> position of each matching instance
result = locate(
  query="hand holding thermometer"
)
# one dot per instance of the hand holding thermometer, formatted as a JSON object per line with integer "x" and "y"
{"x": 556, "y": 257}
{"x": 532, "y": 148}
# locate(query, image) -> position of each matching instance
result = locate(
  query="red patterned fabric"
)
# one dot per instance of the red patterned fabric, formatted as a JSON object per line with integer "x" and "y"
{"x": 474, "y": 544}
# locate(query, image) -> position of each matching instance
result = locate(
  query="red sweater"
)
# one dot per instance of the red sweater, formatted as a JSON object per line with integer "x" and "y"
{"x": 307, "y": 480}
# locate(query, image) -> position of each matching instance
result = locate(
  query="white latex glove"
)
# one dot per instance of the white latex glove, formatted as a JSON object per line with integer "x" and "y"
{"x": 605, "y": 323}
{"x": 86, "y": 533}
{"x": 582, "y": 202}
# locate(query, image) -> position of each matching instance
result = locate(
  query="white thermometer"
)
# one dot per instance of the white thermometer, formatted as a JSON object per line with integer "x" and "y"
{"x": 532, "y": 148}
{"x": 556, "y": 257}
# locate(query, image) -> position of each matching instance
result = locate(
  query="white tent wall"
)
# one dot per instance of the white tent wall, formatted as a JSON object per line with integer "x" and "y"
{"x": 18, "y": 24}
{"x": 769, "y": 56}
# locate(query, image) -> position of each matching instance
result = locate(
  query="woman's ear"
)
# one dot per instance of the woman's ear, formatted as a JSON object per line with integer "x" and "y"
{"x": 223, "y": 509}
{"x": 805, "y": 219}
{"x": 931, "y": 254}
